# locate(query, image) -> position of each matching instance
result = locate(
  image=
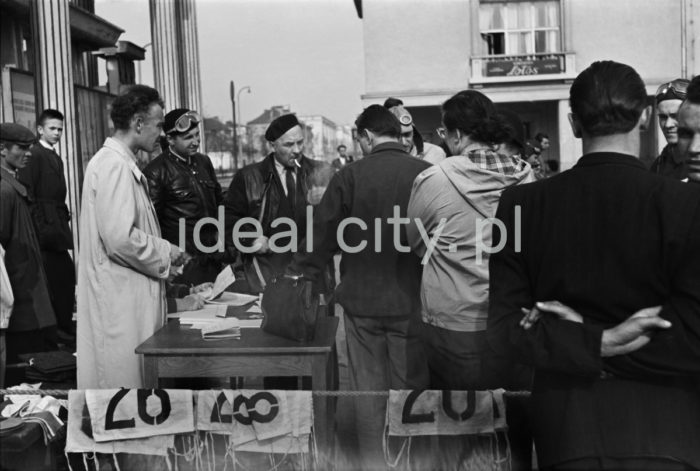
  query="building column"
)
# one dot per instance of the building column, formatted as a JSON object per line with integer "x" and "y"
{"x": 570, "y": 149}
{"x": 53, "y": 82}
{"x": 192, "y": 90}
{"x": 176, "y": 53}
{"x": 166, "y": 59}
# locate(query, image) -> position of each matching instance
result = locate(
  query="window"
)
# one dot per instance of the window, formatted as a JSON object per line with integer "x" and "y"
{"x": 517, "y": 28}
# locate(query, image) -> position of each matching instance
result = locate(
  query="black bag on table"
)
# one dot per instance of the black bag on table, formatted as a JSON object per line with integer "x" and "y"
{"x": 290, "y": 308}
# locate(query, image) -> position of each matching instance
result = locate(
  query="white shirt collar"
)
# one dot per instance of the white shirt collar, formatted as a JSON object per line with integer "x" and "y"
{"x": 47, "y": 145}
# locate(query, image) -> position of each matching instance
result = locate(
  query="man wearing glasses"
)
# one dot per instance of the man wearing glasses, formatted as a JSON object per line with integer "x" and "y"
{"x": 183, "y": 185}
{"x": 669, "y": 97}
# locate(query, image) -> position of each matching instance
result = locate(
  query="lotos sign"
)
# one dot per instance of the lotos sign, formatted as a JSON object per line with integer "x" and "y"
{"x": 519, "y": 67}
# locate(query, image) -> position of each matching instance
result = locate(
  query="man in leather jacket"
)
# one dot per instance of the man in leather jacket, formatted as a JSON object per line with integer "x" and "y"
{"x": 282, "y": 185}
{"x": 182, "y": 185}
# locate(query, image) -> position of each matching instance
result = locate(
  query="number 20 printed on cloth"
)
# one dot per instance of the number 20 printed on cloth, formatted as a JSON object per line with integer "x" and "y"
{"x": 445, "y": 412}
{"x": 117, "y": 414}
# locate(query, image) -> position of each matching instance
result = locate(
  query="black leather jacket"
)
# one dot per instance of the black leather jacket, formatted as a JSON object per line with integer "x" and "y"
{"x": 186, "y": 190}
{"x": 244, "y": 199}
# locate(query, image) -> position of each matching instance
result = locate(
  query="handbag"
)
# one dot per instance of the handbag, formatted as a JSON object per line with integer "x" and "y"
{"x": 290, "y": 308}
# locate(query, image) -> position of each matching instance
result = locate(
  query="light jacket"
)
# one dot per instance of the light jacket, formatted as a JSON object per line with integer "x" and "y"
{"x": 122, "y": 266}
{"x": 454, "y": 287}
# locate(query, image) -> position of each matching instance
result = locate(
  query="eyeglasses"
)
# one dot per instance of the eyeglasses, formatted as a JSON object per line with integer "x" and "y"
{"x": 185, "y": 122}
{"x": 442, "y": 132}
{"x": 677, "y": 89}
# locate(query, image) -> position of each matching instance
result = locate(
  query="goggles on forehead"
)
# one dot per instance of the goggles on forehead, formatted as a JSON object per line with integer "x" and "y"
{"x": 406, "y": 120}
{"x": 185, "y": 122}
{"x": 675, "y": 90}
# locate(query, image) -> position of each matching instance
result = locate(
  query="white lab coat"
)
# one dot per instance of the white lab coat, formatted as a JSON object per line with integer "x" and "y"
{"x": 123, "y": 263}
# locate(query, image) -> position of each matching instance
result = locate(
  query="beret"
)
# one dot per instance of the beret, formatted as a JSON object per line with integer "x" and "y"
{"x": 16, "y": 133}
{"x": 279, "y": 126}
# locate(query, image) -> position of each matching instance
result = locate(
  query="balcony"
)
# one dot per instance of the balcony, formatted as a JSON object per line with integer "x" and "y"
{"x": 507, "y": 68}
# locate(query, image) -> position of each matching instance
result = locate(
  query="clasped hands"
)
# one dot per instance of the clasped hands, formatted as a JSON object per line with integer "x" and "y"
{"x": 628, "y": 336}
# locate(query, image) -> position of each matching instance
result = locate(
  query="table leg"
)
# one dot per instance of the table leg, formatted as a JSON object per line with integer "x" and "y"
{"x": 322, "y": 380}
{"x": 150, "y": 372}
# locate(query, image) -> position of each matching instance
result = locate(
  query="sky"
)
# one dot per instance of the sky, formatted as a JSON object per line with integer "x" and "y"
{"x": 307, "y": 54}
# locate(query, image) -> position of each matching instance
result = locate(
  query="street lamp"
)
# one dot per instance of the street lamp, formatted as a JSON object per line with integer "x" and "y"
{"x": 238, "y": 99}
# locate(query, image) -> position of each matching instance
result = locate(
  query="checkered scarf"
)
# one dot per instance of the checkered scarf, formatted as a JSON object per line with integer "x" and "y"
{"x": 495, "y": 162}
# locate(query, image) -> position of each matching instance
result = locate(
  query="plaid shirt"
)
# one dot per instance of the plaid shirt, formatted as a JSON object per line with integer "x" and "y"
{"x": 495, "y": 162}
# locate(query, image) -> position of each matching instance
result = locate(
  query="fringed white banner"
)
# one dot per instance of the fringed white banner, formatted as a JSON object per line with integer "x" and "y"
{"x": 258, "y": 421}
{"x": 118, "y": 414}
{"x": 80, "y": 439}
{"x": 433, "y": 412}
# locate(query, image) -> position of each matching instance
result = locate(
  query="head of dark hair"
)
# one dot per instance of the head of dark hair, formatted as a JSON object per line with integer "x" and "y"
{"x": 608, "y": 98}
{"x": 137, "y": 100}
{"x": 380, "y": 121}
{"x": 391, "y": 102}
{"x": 540, "y": 136}
{"x": 693, "y": 94}
{"x": 341, "y": 145}
{"x": 47, "y": 114}
{"x": 474, "y": 115}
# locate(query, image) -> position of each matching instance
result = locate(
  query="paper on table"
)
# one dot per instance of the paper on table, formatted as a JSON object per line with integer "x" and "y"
{"x": 234, "y": 299}
{"x": 211, "y": 312}
{"x": 223, "y": 281}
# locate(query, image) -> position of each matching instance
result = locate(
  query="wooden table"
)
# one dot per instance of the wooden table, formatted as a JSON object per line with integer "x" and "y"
{"x": 179, "y": 352}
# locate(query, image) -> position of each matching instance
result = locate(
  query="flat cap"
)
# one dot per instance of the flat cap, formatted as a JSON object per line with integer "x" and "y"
{"x": 16, "y": 133}
{"x": 279, "y": 126}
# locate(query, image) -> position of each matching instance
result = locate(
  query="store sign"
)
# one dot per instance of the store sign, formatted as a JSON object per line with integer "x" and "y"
{"x": 519, "y": 67}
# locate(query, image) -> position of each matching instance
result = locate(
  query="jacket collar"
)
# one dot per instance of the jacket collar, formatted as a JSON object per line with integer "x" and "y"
{"x": 14, "y": 183}
{"x": 609, "y": 158}
{"x": 386, "y": 146}
{"x": 126, "y": 154}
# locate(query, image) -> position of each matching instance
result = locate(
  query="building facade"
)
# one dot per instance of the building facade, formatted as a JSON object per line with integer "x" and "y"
{"x": 522, "y": 54}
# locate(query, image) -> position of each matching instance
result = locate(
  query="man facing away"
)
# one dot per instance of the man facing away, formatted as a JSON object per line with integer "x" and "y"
{"x": 123, "y": 260}
{"x": 669, "y": 96}
{"x": 43, "y": 176}
{"x": 616, "y": 386}
{"x": 379, "y": 276}
{"x": 32, "y": 327}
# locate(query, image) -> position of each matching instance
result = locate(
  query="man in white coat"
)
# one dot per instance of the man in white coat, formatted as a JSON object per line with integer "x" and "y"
{"x": 123, "y": 260}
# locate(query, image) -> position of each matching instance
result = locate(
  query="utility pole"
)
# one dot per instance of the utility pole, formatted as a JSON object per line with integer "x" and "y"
{"x": 235, "y": 132}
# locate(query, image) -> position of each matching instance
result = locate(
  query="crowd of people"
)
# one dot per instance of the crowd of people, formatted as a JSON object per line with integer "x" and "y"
{"x": 472, "y": 264}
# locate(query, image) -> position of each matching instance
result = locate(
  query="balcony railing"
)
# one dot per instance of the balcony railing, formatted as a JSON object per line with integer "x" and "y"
{"x": 523, "y": 67}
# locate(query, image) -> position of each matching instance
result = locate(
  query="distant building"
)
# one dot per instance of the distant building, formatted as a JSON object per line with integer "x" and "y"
{"x": 522, "y": 54}
{"x": 322, "y": 138}
{"x": 321, "y": 134}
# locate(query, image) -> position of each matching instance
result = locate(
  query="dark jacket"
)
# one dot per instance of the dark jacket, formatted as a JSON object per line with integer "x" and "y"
{"x": 372, "y": 283}
{"x": 607, "y": 238}
{"x": 186, "y": 190}
{"x": 244, "y": 199}
{"x": 337, "y": 164}
{"x": 43, "y": 177}
{"x": 32, "y": 308}
{"x": 670, "y": 164}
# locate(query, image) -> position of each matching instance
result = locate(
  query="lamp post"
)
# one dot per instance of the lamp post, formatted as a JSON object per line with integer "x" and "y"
{"x": 232, "y": 91}
{"x": 238, "y": 98}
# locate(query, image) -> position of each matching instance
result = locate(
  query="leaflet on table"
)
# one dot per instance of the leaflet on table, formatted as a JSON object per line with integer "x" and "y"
{"x": 209, "y": 313}
{"x": 223, "y": 329}
{"x": 234, "y": 299}
{"x": 223, "y": 281}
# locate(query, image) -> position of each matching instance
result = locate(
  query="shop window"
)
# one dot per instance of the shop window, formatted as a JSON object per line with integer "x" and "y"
{"x": 519, "y": 27}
